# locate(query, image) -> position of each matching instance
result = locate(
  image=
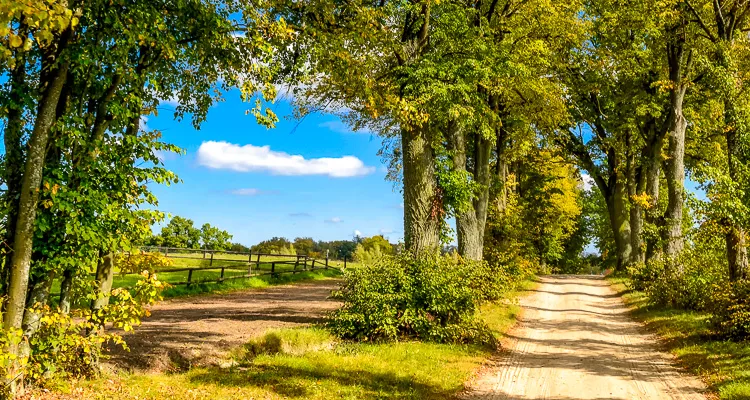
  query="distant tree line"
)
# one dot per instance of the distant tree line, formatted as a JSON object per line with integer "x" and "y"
{"x": 337, "y": 249}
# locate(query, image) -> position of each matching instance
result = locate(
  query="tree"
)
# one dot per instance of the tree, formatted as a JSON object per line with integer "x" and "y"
{"x": 379, "y": 241}
{"x": 181, "y": 233}
{"x": 304, "y": 245}
{"x": 213, "y": 238}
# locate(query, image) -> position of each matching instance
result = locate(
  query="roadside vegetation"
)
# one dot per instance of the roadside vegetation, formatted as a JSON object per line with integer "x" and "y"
{"x": 313, "y": 363}
{"x": 723, "y": 364}
{"x": 538, "y": 126}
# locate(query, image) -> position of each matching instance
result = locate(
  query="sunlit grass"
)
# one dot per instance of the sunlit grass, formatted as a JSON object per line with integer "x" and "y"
{"x": 723, "y": 365}
{"x": 309, "y": 363}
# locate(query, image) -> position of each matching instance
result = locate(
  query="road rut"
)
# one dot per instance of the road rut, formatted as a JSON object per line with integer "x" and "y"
{"x": 576, "y": 341}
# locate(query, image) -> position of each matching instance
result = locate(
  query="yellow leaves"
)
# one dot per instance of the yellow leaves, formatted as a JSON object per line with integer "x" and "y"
{"x": 643, "y": 200}
{"x": 15, "y": 41}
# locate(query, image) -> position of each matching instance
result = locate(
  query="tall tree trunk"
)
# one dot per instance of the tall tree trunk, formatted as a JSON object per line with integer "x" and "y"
{"x": 619, "y": 218}
{"x": 501, "y": 169}
{"x": 20, "y": 263}
{"x": 38, "y": 297}
{"x": 735, "y": 237}
{"x": 14, "y": 159}
{"x": 635, "y": 187}
{"x": 105, "y": 273}
{"x": 66, "y": 284}
{"x": 470, "y": 223}
{"x": 422, "y": 202}
{"x": 652, "y": 174}
{"x": 674, "y": 165}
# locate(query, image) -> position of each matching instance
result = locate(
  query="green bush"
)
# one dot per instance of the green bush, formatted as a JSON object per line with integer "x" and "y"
{"x": 433, "y": 298}
{"x": 730, "y": 307}
{"x": 685, "y": 282}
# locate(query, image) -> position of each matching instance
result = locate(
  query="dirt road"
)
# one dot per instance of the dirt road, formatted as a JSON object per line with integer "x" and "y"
{"x": 199, "y": 330}
{"x": 575, "y": 341}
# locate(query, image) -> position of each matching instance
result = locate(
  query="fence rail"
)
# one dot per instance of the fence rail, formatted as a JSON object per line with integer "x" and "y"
{"x": 250, "y": 263}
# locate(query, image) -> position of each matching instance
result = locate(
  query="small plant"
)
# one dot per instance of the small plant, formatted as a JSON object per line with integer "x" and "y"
{"x": 70, "y": 345}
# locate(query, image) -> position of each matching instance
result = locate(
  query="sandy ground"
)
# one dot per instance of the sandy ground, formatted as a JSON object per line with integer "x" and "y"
{"x": 200, "y": 330}
{"x": 575, "y": 341}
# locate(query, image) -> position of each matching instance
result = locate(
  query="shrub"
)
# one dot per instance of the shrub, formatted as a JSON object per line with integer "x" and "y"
{"x": 293, "y": 341}
{"x": 685, "y": 282}
{"x": 432, "y": 298}
{"x": 70, "y": 345}
{"x": 730, "y": 307}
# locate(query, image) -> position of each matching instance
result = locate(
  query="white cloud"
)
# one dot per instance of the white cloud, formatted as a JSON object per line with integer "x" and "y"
{"x": 357, "y": 233}
{"x": 249, "y": 158}
{"x": 334, "y": 220}
{"x": 246, "y": 192}
{"x": 588, "y": 181}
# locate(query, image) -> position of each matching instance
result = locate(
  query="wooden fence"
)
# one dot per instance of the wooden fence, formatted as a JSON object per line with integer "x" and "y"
{"x": 252, "y": 264}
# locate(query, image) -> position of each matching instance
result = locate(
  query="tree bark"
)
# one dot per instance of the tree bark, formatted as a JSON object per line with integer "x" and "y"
{"x": 635, "y": 187}
{"x": 619, "y": 217}
{"x": 470, "y": 224}
{"x": 674, "y": 165}
{"x": 32, "y": 179}
{"x": 20, "y": 263}
{"x": 422, "y": 203}
{"x": 38, "y": 297}
{"x": 14, "y": 158}
{"x": 105, "y": 273}
{"x": 65, "y": 286}
{"x": 676, "y": 125}
{"x": 735, "y": 237}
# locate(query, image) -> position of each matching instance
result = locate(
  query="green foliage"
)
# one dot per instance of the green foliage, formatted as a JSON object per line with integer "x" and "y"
{"x": 377, "y": 241}
{"x": 433, "y": 298}
{"x": 181, "y": 233}
{"x": 730, "y": 308}
{"x": 137, "y": 263}
{"x": 70, "y": 345}
{"x": 213, "y": 238}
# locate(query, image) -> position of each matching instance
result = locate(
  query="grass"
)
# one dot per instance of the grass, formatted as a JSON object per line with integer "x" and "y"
{"x": 723, "y": 365}
{"x": 234, "y": 265}
{"x": 309, "y": 363}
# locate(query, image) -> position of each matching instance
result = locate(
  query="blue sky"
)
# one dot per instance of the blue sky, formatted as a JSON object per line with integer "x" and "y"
{"x": 316, "y": 178}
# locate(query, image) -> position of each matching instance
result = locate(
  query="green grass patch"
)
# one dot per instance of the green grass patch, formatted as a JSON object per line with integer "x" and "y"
{"x": 309, "y": 363}
{"x": 722, "y": 364}
{"x": 256, "y": 282}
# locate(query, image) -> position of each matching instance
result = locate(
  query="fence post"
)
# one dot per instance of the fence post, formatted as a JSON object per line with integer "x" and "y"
{"x": 166, "y": 250}
{"x": 190, "y": 277}
{"x": 313, "y": 265}
{"x": 222, "y": 274}
{"x": 211, "y": 262}
{"x": 250, "y": 264}
{"x": 296, "y": 264}
{"x": 273, "y": 267}
{"x": 326, "y": 260}
{"x": 344, "y": 261}
{"x": 305, "y": 266}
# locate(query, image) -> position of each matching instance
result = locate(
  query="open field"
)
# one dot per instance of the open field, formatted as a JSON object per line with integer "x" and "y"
{"x": 308, "y": 363}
